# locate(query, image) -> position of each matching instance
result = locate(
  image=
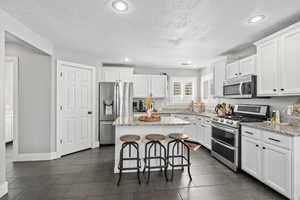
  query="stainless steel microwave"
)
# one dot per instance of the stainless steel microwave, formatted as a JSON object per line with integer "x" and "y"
{"x": 240, "y": 87}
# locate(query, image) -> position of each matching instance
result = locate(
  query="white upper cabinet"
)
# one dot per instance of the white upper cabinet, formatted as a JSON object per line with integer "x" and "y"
{"x": 267, "y": 66}
{"x": 219, "y": 73}
{"x": 116, "y": 74}
{"x": 241, "y": 67}
{"x": 146, "y": 85}
{"x": 248, "y": 66}
{"x": 278, "y": 63}
{"x": 140, "y": 86}
{"x": 290, "y": 60}
{"x": 232, "y": 70}
{"x": 158, "y": 86}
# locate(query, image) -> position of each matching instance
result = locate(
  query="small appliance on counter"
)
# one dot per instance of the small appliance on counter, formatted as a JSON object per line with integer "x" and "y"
{"x": 139, "y": 106}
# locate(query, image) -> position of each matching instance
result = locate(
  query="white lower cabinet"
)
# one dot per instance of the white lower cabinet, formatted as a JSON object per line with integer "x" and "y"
{"x": 251, "y": 156}
{"x": 270, "y": 163}
{"x": 277, "y": 168}
{"x": 199, "y": 130}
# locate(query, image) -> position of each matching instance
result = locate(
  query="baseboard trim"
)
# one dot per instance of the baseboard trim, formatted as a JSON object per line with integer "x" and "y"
{"x": 36, "y": 156}
{"x": 96, "y": 144}
{"x": 3, "y": 188}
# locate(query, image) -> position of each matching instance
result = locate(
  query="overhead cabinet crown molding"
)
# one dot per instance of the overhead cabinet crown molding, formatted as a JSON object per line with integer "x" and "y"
{"x": 278, "y": 63}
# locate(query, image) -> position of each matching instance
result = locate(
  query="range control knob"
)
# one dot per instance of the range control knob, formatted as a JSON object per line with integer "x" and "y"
{"x": 229, "y": 122}
{"x": 221, "y": 120}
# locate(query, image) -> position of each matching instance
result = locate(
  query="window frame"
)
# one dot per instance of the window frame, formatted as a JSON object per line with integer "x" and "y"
{"x": 183, "y": 99}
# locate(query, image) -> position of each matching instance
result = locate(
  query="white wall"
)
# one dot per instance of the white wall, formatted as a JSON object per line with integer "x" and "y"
{"x": 11, "y": 25}
{"x": 34, "y": 99}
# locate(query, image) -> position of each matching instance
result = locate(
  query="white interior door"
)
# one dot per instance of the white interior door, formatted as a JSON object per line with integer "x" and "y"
{"x": 75, "y": 107}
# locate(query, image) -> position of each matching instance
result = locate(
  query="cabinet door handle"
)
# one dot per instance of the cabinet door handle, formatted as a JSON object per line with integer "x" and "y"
{"x": 274, "y": 139}
{"x": 282, "y": 89}
{"x": 257, "y": 145}
{"x": 274, "y": 90}
{"x": 235, "y": 74}
{"x": 264, "y": 147}
{"x": 250, "y": 133}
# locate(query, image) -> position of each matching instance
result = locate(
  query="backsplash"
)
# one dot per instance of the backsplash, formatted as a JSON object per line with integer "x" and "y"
{"x": 276, "y": 103}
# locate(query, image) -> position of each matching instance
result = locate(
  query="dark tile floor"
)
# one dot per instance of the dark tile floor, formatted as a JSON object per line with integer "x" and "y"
{"x": 88, "y": 175}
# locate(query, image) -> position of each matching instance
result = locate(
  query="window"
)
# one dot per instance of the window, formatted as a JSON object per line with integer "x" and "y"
{"x": 183, "y": 90}
{"x": 205, "y": 88}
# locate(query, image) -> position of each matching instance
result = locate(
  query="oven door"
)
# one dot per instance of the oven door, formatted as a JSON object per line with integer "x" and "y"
{"x": 225, "y": 145}
{"x": 228, "y": 136}
{"x": 224, "y": 153}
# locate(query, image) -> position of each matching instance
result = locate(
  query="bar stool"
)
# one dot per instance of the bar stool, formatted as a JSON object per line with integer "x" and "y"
{"x": 178, "y": 140}
{"x": 129, "y": 141}
{"x": 154, "y": 141}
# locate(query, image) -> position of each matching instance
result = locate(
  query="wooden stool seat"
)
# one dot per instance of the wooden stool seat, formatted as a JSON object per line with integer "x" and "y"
{"x": 155, "y": 137}
{"x": 130, "y": 138}
{"x": 178, "y": 136}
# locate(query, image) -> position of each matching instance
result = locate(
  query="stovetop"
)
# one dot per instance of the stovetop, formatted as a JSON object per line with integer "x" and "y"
{"x": 242, "y": 118}
{"x": 235, "y": 120}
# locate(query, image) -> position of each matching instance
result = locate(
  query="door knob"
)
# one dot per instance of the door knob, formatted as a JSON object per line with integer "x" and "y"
{"x": 90, "y": 112}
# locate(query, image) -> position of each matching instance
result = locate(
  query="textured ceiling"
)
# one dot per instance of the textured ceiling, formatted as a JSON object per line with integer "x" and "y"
{"x": 154, "y": 32}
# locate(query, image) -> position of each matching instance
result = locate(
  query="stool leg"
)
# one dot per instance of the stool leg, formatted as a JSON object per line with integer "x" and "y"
{"x": 165, "y": 159}
{"x": 145, "y": 159}
{"x": 168, "y": 152}
{"x": 173, "y": 162}
{"x": 149, "y": 161}
{"x": 136, "y": 145}
{"x": 160, "y": 146}
{"x": 182, "y": 153}
{"x": 189, "y": 159}
{"x": 121, "y": 163}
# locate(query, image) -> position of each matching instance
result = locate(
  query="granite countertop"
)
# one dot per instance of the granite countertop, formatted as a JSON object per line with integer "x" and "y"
{"x": 165, "y": 121}
{"x": 284, "y": 129}
{"x": 186, "y": 112}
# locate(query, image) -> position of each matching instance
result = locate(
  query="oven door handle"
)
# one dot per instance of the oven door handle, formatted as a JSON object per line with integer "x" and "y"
{"x": 221, "y": 143}
{"x": 223, "y": 128}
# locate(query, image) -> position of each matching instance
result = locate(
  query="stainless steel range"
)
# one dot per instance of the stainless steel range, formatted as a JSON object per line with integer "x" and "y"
{"x": 226, "y": 132}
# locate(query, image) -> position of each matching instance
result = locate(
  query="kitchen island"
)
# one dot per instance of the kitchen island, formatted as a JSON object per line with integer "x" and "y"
{"x": 131, "y": 125}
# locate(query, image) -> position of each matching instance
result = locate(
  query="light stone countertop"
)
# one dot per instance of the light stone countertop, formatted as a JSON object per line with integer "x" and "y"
{"x": 165, "y": 121}
{"x": 290, "y": 130}
{"x": 186, "y": 112}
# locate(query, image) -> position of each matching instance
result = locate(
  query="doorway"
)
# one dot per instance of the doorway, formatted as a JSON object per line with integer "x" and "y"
{"x": 11, "y": 105}
{"x": 76, "y": 110}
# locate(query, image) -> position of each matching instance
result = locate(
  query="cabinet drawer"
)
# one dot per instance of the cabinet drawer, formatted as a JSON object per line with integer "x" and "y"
{"x": 251, "y": 132}
{"x": 277, "y": 139}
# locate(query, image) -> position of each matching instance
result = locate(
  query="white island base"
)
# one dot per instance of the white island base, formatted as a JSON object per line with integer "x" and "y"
{"x": 166, "y": 126}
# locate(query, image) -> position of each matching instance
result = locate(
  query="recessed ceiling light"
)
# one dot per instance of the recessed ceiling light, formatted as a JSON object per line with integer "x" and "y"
{"x": 256, "y": 19}
{"x": 120, "y": 5}
{"x": 126, "y": 59}
{"x": 187, "y": 63}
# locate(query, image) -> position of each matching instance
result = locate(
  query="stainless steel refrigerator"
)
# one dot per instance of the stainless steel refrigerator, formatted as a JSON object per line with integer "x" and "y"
{"x": 115, "y": 100}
